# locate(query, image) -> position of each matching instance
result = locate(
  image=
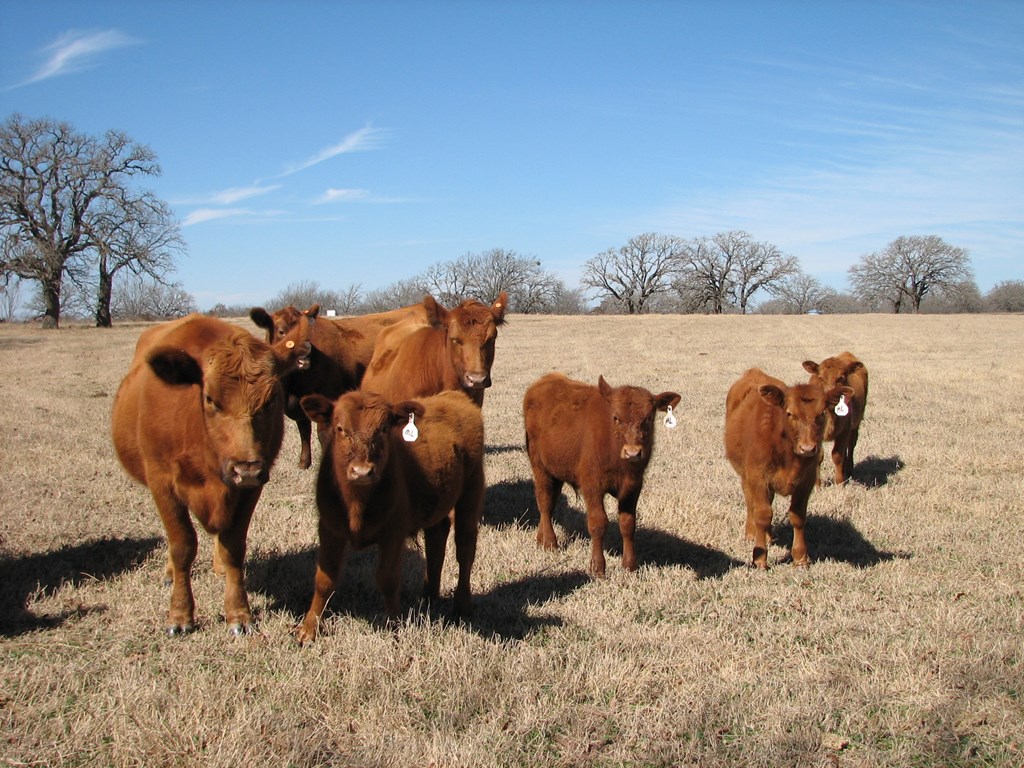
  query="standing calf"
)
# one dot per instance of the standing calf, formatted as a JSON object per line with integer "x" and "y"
{"x": 198, "y": 419}
{"x": 597, "y": 439}
{"x": 773, "y": 440}
{"x": 842, "y": 430}
{"x": 374, "y": 487}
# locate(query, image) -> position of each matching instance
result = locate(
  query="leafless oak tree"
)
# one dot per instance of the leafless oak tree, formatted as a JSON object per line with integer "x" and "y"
{"x": 635, "y": 273}
{"x": 908, "y": 270}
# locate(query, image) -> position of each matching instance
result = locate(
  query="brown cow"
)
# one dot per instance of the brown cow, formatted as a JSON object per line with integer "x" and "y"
{"x": 375, "y": 487}
{"x": 342, "y": 348}
{"x": 455, "y": 350}
{"x": 198, "y": 419}
{"x": 842, "y": 430}
{"x": 773, "y": 440}
{"x": 597, "y": 439}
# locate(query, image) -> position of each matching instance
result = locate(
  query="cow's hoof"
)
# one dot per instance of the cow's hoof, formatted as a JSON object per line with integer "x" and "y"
{"x": 177, "y": 630}
{"x": 240, "y": 628}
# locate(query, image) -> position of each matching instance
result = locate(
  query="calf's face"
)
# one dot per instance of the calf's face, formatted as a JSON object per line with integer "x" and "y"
{"x": 472, "y": 330}
{"x": 831, "y": 372}
{"x": 803, "y": 407}
{"x": 632, "y": 411}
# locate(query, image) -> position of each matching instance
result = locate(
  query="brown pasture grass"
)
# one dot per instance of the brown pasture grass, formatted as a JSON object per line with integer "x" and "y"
{"x": 901, "y": 645}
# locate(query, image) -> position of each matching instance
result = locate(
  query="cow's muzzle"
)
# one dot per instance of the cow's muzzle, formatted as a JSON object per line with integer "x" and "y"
{"x": 474, "y": 380}
{"x": 632, "y": 453}
{"x": 362, "y": 472}
{"x": 245, "y": 474}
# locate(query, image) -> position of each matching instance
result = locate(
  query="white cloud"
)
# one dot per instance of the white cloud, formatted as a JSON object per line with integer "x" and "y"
{"x": 231, "y": 195}
{"x": 365, "y": 138}
{"x": 73, "y": 52}
{"x": 342, "y": 196}
{"x": 200, "y": 215}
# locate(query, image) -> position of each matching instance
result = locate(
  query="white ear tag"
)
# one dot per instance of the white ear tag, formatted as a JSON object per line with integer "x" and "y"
{"x": 670, "y": 418}
{"x": 410, "y": 433}
{"x": 841, "y": 408}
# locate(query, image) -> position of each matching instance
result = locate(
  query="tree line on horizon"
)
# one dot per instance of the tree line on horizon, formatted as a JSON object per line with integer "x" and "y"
{"x": 75, "y": 227}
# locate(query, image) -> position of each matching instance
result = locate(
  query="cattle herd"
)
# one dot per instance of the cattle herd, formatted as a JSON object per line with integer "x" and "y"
{"x": 397, "y": 401}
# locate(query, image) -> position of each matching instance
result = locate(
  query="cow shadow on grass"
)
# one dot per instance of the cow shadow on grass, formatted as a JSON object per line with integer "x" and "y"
{"x": 23, "y": 577}
{"x": 875, "y": 471}
{"x": 836, "y": 540}
{"x": 513, "y": 504}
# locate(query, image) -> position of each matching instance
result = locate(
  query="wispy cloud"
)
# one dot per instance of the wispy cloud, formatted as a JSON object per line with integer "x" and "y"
{"x": 342, "y": 196}
{"x": 364, "y": 139}
{"x": 231, "y": 195}
{"x": 75, "y": 51}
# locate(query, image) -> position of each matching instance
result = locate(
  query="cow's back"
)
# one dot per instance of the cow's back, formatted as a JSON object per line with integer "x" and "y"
{"x": 750, "y": 423}
{"x": 405, "y": 364}
{"x": 566, "y": 424}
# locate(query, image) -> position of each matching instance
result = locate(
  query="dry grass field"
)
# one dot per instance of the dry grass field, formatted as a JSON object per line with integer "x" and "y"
{"x": 901, "y": 645}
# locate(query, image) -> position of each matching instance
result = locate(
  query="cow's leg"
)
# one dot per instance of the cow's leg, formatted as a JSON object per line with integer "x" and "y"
{"x": 798, "y": 517}
{"x": 182, "y": 545}
{"x": 305, "y": 441}
{"x": 597, "y": 524}
{"x": 848, "y": 454}
{"x": 839, "y": 459}
{"x": 759, "y": 520}
{"x": 389, "y": 573}
{"x": 435, "y": 540}
{"x": 229, "y": 555}
{"x": 467, "y": 526}
{"x": 546, "y": 489}
{"x": 627, "y": 527}
{"x": 330, "y": 559}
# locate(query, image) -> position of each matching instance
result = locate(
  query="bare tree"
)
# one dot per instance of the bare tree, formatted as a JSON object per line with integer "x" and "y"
{"x": 137, "y": 233}
{"x": 799, "y": 293}
{"x": 399, "y": 294}
{"x": 53, "y": 181}
{"x": 630, "y": 276}
{"x": 908, "y": 270}
{"x": 139, "y": 297}
{"x": 1006, "y": 296}
{"x": 10, "y": 299}
{"x": 304, "y": 293}
{"x": 756, "y": 267}
{"x": 449, "y": 281}
{"x": 705, "y": 278}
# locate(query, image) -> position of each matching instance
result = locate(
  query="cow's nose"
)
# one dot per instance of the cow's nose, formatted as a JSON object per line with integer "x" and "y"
{"x": 476, "y": 380}
{"x": 806, "y": 449}
{"x": 632, "y": 452}
{"x": 245, "y": 474}
{"x": 362, "y": 470}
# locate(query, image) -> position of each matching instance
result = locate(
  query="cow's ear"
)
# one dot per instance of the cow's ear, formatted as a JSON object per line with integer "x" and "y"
{"x": 437, "y": 315}
{"x": 498, "y": 308}
{"x": 175, "y": 366}
{"x": 810, "y": 366}
{"x": 604, "y": 387}
{"x": 667, "y": 400}
{"x": 262, "y": 318}
{"x": 318, "y": 408}
{"x": 400, "y": 411}
{"x": 772, "y": 395}
{"x": 833, "y": 395}
{"x": 853, "y": 367}
{"x": 312, "y": 312}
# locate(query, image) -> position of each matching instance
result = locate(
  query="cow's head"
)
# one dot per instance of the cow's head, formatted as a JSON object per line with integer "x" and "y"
{"x": 632, "y": 411}
{"x": 832, "y": 372}
{"x": 470, "y": 330}
{"x": 803, "y": 407}
{"x": 238, "y": 381}
{"x": 288, "y": 323}
{"x": 358, "y": 429}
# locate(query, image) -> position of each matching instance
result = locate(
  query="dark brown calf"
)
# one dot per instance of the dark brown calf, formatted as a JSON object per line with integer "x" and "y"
{"x": 454, "y": 350}
{"x": 773, "y": 439}
{"x": 198, "y": 419}
{"x": 843, "y": 430}
{"x": 374, "y": 487}
{"x": 597, "y": 439}
{"x": 342, "y": 349}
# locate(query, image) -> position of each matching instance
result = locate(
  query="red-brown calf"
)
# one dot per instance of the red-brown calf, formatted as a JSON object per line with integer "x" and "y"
{"x": 455, "y": 350}
{"x": 375, "y": 487}
{"x": 198, "y": 419}
{"x": 597, "y": 439}
{"x": 773, "y": 440}
{"x": 842, "y": 430}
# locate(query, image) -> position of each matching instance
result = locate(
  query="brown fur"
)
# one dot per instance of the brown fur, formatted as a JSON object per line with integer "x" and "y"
{"x": 454, "y": 351}
{"x": 597, "y": 439}
{"x": 773, "y": 439}
{"x": 342, "y": 349}
{"x": 375, "y": 488}
{"x": 843, "y": 431}
{"x": 198, "y": 420}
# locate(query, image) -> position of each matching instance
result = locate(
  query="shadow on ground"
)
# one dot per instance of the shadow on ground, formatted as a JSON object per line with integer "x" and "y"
{"x": 837, "y": 540}
{"x": 22, "y": 577}
{"x": 875, "y": 471}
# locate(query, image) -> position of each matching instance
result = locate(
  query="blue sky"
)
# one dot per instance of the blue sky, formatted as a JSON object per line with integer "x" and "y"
{"x": 359, "y": 143}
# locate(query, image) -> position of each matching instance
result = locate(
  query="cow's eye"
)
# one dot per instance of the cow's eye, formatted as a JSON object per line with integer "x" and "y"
{"x": 211, "y": 404}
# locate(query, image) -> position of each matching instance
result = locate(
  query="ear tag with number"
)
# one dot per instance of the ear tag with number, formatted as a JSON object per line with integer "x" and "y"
{"x": 410, "y": 433}
{"x": 841, "y": 408}
{"x": 670, "y": 418}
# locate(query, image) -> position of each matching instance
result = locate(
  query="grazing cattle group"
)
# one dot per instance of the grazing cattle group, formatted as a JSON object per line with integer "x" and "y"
{"x": 397, "y": 399}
